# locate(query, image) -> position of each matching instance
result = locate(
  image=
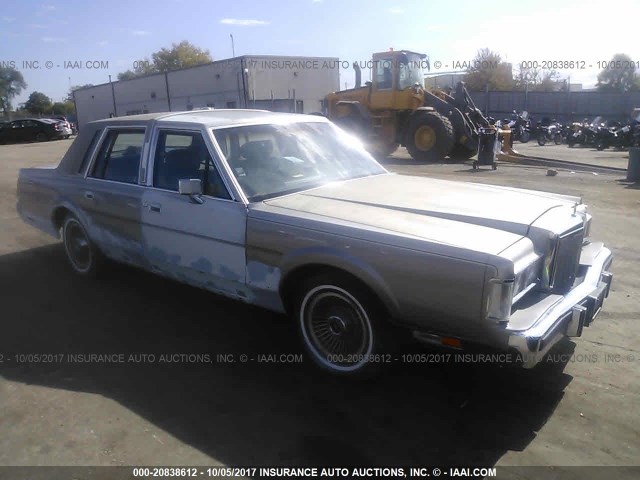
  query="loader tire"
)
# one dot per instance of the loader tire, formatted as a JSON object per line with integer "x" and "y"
{"x": 430, "y": 137}
{"x": 384, "y": 150}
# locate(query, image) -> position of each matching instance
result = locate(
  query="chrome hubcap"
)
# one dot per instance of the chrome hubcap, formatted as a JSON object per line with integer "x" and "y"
{"x": 78, "y": 246}
{"x": 336, "y": 328}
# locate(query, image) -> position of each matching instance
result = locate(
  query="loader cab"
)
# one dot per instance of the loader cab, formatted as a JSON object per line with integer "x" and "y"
{"x": 398, "y": 79}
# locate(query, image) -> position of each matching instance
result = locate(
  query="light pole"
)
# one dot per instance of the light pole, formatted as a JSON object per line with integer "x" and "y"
{"x": 233, "y": 50}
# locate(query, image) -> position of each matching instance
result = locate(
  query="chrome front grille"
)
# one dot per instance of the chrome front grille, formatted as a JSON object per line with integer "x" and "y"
{"x": 566, "y": 261}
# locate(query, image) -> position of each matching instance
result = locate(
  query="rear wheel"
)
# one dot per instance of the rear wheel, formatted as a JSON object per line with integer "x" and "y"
{"x": 557, "y": 139}
{"x": 542, "y": 140}
{"x": 384, "y": 150}
{"x": 342, "y": 325}
{"x": 430, "y": 137}
{"x": 83, "y": 255}
{"x": 41, "y": 137}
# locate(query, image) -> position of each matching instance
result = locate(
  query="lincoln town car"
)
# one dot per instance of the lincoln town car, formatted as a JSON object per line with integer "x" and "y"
{"x": 290, "y": 213}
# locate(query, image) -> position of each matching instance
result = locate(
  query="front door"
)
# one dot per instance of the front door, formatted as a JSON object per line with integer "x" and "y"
{"x": 202, "y": 244}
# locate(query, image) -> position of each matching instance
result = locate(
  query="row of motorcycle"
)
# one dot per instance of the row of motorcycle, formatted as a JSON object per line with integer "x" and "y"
{"x": 596, "y": 133}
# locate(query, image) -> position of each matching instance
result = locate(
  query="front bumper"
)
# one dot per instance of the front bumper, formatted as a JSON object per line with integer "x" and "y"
{"x": 567, "y": 316}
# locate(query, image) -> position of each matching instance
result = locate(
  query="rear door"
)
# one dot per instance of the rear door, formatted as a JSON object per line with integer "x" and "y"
{"x": 198, "y": 243}
{"x": 112, "y": 196}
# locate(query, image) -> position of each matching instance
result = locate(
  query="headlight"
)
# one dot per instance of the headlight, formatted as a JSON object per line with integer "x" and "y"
{"x": 499, "y": 299}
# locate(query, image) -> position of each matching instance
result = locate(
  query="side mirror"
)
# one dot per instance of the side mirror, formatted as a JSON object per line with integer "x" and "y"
{"x": 191, "y": 187}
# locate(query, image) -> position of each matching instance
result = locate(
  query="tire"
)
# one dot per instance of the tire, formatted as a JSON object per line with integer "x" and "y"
{"x": 460, "y": 152}
{"x": 557, "y": 139}
{"x": 601, "y": 146}
{"x": 525, "y": 137}
{"x": 41, "y": 137}
{"x": 542, "y": 140}
{"x": 430, "y": 137}
{"x": 342, "y": 325}
{"x": 83, "y": 256}
{"x": 571, "y": 141}
{"x": 384, "y": 150}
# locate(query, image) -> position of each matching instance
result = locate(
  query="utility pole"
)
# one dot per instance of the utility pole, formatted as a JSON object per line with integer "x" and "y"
{"x": 233, "y": 49}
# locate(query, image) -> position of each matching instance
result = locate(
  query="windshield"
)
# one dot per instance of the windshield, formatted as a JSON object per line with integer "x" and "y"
{"x": 410, "y": 71}
{"x": 596, "y": 121}
{"x": 273, "y": 160}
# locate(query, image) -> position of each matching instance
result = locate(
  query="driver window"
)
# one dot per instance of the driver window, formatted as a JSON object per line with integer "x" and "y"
{"x": 384, "y": 76}
{"x": 184, "y": 155}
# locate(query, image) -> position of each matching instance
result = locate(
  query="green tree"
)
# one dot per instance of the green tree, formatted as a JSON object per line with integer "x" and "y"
{"x": 62, "y": 108}
{"x": 180, "y": 55}
{"x": 537, "y": 80}
{"x": 488, "y": 70}
{"x": 620, "y": 76}
{"x": 38, "y": 103}
{"x": 11, "y": 84}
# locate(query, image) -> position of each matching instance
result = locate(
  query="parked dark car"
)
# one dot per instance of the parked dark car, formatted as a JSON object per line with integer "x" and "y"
{"x": 32, "y": 129}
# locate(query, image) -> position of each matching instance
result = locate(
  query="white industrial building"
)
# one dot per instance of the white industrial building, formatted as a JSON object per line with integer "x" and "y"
{"x": 279, "y": 83}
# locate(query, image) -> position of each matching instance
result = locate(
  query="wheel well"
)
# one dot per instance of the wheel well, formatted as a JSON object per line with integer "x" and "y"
{"x": 290, "y": 285}
{"x": 59, "y": 214}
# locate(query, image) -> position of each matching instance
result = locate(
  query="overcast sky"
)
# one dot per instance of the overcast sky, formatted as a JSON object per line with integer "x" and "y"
{"x": 120, "y": 32}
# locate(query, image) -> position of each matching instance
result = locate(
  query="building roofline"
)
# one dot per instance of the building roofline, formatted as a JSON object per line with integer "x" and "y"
{"x": 224, "y": 60}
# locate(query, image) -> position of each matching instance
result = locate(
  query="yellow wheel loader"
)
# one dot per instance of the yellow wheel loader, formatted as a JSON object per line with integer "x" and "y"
{"x": 395, "y": 109}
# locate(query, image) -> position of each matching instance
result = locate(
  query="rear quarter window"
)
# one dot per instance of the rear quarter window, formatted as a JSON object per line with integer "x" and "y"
{"x": 88, "y": 154}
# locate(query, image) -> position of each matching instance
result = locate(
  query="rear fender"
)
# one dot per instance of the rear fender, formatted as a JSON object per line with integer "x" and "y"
{"x": 57, "y": 218}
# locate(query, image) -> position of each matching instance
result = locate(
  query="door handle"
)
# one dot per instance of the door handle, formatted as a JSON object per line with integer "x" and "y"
{"x": 88, "y": 195}
{"x": 154, "y": 207}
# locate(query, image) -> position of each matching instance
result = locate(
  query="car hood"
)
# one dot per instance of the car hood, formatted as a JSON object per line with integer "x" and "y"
{"x": 474, "y": 216}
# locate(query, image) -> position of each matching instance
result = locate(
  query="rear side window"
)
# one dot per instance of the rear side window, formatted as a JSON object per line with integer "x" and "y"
{"x": 119, "y": 156}
{"x": 88, "y": 154}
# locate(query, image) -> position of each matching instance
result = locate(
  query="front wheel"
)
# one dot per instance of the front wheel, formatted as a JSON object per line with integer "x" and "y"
{"x": 542, "y": 140}
{"x": 525, "y": 137}
{"x": 557, "y": 139}
{"x": 83, "y": 255}
{"x": 341, "y": 325}
{"x": 430, "y": 137}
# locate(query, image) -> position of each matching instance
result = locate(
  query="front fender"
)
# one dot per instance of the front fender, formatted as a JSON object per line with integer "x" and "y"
{"x": 338, "y": 259}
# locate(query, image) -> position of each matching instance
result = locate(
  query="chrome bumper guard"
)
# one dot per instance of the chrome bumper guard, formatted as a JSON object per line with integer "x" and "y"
{"x": 576, "y": 310}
